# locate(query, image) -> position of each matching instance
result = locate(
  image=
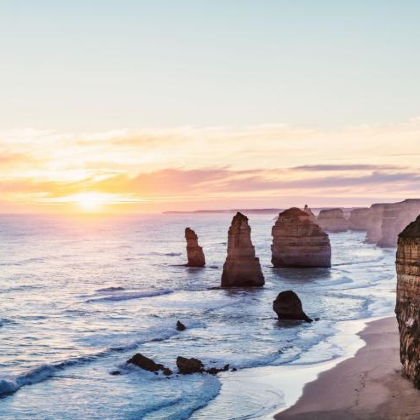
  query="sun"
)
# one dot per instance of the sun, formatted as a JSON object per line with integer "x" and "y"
{"x": 89, "y": 201}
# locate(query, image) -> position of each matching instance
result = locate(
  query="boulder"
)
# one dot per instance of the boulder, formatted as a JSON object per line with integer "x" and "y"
{"x": 407, "y": 306}
{"x": 195, "y": 252}
{"x": 145, "y": 363}
{"x": 180, "y": 326}
{"x": 241, "y": 268}
{"x": 299, "y": 242}
{"x": 288, "y": 306}
{"x": 332, "y": 220}
{"x": 359, "y": 219}
{"x": 188, "y": 366}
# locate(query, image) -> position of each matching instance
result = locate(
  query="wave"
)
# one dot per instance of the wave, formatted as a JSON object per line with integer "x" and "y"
{"x": 46, "y": 371}
{"x": 131, "y": 295}
{"x": 167, "y": 254}
{"x": 110, "y": 289}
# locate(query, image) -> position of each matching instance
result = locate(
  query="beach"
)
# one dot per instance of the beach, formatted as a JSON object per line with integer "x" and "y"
{"x": 368, "y": 386}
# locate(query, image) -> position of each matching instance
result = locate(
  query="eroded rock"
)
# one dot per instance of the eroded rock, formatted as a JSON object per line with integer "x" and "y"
{"x": 195, "y": 252}
{"x": 359, "y": 219}
{"x": 288, "y": 306}
{"x": 299, "y": 242}
{"x": 332, "y": 220}
{"x": 241, "y": 268}
{"x": 189, "y": 366}
{"x": 145, "y": 363}
{"x": 407, "y": 306}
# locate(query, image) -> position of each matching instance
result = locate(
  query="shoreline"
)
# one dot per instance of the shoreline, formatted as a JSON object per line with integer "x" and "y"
{"x": 368, "y": 385}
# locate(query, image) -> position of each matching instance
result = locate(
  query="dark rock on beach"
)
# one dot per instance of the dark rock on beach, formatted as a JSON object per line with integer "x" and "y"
{"x": 288, "y": 306}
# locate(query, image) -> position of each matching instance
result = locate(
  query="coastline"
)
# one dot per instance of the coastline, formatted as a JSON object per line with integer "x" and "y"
{"x": 367, "y": 386}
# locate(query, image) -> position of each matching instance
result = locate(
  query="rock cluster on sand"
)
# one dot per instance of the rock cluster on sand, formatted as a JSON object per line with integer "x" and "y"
{"x": 359, "y": 219}
{"x": 195, "y": 252}
{"x": 241, "y": 268}
{"x": 288, "y": 306}
{"x": 332, "y": 220}
{"x": 408, "y": 300}
{"x": 299, "y": 242}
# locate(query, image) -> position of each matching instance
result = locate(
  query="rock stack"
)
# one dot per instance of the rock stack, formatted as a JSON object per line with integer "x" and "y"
{"x": 359, "y": 219}
{"x": 394, "y": 219}
{"x": 242, "y": 268}
{"x": 299, "y": 242}
{"x": 288, "y": 306}
{"x": 195, "y": 253}
{"x": 332, "y": 220}
{"x": 309, "y": 212}
{"x": 374, "y": 232}
{"x": 408, "y": 300}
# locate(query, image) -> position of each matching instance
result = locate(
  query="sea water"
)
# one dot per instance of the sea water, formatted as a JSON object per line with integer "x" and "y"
{"x": 79, "y": 296}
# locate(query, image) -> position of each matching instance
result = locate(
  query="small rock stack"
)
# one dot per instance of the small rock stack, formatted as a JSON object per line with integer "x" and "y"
{"x": 359, "y": 219}
{"x": 241, "y": 268}
{"x": 195, "y": 252}
{"x": 332, "y": 220}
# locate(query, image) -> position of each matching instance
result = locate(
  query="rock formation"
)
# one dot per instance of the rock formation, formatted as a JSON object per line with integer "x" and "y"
{"x": 374, "y": 232}
{"x": 395, "y": 217}
{"x": 195, "y": 252}
{"x": 359, "y": 219}
{"x": 310, "y": 212}
{"x": 288, "y": 306}
{"x": 332, "y": 220}
{"x": 145, "y": 363}
{"x": 299, "y": 242}
{"x": 408, "y": 300}
{"x": 241, "y": 268}
{"x": 180, "y": 326}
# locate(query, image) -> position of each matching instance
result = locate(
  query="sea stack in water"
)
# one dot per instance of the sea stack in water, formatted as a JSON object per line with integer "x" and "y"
{"x": 288, "y": 306}
{"x": 242, "y": 268}
{"x": 408, "y": 300}
{"x": 299, "y": 242}
{"x": 359, "y": 219}
{"x": 332, "y": 220}
{"x": 374, "y": 232}
{"x": 194, "y": 251}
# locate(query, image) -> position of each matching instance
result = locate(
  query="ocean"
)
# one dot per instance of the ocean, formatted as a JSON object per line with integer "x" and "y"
{"x": 79, "y": 296}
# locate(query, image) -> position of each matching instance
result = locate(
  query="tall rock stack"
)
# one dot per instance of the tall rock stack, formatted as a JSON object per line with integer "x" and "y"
{"x": 309, "y": 212}
{"x": 374, "y": 232}
{"x": 242, "y": 268}
{"x": 332, "y": 220}
{"x": 299, "y": 242}
{"x": 359, "y": 219}
{"x": 408, "y": 300}
{"x": 195, "y": 252}
{"x": 394, "y": 218}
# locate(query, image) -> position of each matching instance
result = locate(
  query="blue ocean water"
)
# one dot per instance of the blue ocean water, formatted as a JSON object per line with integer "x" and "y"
{"x": 79, "y": 296}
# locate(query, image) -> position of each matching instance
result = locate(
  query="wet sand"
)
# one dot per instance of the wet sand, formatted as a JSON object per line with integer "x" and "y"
{"x": 367, "y": 386}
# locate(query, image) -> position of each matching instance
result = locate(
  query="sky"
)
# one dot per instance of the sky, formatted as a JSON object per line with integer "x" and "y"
{"x": 181, "y": 105}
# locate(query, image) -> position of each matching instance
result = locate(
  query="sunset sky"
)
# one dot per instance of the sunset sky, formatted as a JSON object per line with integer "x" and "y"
{"x": 181, "y": 105}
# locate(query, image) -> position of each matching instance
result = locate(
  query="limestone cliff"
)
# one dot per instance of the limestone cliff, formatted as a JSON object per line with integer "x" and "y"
{"x": 407, "y": 306}
{"x": 359, "y": 219}
{"x": 332, "y": 220}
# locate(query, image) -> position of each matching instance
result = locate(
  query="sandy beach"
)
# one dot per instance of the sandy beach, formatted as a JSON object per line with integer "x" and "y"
{"x": 367, "y": 386}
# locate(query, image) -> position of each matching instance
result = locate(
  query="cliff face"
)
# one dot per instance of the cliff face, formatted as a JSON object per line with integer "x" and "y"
{"x": 407, "y": 306}
{"x": 395, "y": 217}
{"x": 299, "y": 242}
{"x": 374, "y": 233}
{"x": 195, "y": 252}
{"x": 359, "y": 219}
{"x": 332, "y": 220}
{"x": 241, "y": 268}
